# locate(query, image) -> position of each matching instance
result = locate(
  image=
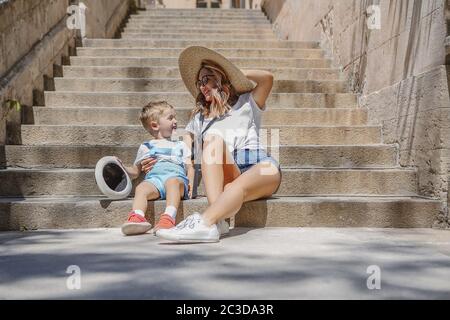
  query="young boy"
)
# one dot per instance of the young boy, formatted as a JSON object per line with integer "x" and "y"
{"x": 167, "y": 179}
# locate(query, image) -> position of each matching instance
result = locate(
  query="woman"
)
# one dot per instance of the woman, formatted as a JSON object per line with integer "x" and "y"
{"x": 226, "y": 120}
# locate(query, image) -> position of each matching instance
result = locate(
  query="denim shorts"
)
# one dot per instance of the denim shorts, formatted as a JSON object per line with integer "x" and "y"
{"x": 164, "y": 170}
{"x": 246, "y": 158}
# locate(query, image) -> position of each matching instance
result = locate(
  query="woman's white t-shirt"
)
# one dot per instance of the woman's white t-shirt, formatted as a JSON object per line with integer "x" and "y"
{"x": 239, "y": 127}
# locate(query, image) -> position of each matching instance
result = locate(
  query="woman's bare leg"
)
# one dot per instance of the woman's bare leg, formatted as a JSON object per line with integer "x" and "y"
{"x": 259, "y": 181}
{"x": 218, "y": 167}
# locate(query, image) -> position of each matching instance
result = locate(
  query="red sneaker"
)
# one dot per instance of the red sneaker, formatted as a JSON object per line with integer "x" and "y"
{"x": 136, "y": 224}
{"x": 165, "y": 222}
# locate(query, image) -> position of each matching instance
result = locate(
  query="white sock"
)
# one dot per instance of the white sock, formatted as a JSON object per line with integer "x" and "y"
{"x": 139, "y": 212}
{"x": 171, "y": 211}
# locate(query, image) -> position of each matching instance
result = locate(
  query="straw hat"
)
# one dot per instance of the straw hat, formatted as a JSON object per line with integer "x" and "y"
{"x": 190, "y": 62}
{"x": 112, "y": 178}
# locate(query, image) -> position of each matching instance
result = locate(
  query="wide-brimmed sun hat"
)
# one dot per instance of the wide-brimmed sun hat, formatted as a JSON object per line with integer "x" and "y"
{"x": 112, "y": 178}
{"x": 190, "y": 62}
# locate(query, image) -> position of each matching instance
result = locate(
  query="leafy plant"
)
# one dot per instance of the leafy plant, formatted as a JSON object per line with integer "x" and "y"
{"x": 10, "y": 105}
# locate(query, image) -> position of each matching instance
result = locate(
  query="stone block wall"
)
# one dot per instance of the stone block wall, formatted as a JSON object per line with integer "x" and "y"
{"x": 33, "y": 38}
{"x": 24, "y": 23}
{"x": 398, "y": 71}
{"x": 447, "y": 60}
{"x": 104, "y": 17}
{"x": 35, "y": 42}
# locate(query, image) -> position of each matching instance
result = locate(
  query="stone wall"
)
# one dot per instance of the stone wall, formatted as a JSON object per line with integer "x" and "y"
{"x": 104, "y": 17}
{"x": 398, "y": 70}
{"x": 24, "y": 23}
{"x": 35, "y": 42}
{"x": 447, "y": 60}
{"x": 33, "y": 39}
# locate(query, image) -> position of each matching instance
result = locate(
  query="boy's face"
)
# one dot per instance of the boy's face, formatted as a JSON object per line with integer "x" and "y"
{"x": 167, "y": 124}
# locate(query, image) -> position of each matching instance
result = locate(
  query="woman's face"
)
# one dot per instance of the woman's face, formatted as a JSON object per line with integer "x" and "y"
{"x": 206, "y": 86}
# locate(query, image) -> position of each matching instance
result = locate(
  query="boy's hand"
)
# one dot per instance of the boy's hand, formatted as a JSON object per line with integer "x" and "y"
{"x": 147, "y": 164}
{"x": 127, "y": 170}
{"x": 120, "y": 161}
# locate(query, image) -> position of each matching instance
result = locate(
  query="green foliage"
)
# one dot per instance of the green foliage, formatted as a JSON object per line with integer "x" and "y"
{"x": 10, "y": 105}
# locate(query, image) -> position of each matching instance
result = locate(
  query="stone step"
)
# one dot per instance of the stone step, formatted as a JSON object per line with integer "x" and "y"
{"x": 325, "y": 211}
{"x": 200, "y": 19}
{"x": 175, "y": 52}
{"x": 201, "y": 11}
{"x": 130, "y": 116}
{"x": 135, "y": 33}
{"x": 173, "y": 72}
{"x": 127, "y": 61}
{"x": 199, "y": 14}
{"x": 328, "y": 156}
{"x": 134, "y": 135}
{"x": 140, "y": 99}
{"x": 188, "y": 11}
{"x": 295, "y": 182}
{"x": 361, "y": 181}
{"x": 184, "y": 15}
{"x": 197, "y": 37}
{"x": 177, "y": 85}
{"x": 195, "y": 31}
{"x": 203, "y": 21}
{"x": 255, "y": 44}
{"x": 218, "y": 17}
{"x": 204, "y": 24}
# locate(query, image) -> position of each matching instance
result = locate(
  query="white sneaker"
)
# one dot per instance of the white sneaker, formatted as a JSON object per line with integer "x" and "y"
{"x": 224, "y": 227}
{"x": 191, "y": 229}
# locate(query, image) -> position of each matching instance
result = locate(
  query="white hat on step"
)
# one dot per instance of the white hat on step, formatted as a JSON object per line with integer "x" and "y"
{"x": 190, "y": 62}
{"x": 112, "y": 178}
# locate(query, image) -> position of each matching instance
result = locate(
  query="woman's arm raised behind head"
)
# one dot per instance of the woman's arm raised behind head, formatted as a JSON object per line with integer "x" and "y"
{"x": 264, "y": 84}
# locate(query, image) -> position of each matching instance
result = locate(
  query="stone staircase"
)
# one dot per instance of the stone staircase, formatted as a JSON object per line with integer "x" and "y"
{"x": 336, "y": 170}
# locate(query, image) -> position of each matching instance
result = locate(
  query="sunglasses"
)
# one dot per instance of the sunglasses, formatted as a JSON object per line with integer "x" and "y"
{"x": 204, "y": 80}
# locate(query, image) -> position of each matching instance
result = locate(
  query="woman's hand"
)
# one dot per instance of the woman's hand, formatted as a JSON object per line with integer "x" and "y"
{"x": 190, "y": 190}
{"x": 264, "y": 84}
{"x": 147, "y": 164}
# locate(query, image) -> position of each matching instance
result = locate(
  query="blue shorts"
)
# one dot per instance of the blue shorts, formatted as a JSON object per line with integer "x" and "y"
{"x": 163, "y": 171}
{"x": 246, "y": 158}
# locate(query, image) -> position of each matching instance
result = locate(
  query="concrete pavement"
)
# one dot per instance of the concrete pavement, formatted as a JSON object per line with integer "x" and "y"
{"x": 270, "y": 263}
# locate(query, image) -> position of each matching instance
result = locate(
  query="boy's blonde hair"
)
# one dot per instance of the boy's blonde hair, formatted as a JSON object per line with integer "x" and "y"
{"x": 153, "y": 112}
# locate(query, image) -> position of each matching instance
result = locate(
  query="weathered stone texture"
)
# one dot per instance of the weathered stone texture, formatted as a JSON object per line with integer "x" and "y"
{"x": 409, "y": 42}
{"x": 397, "y": 70}
{"x": 104, "y": 17}
{"x": 23, "y": 23}
{"x": 34, "y": 39}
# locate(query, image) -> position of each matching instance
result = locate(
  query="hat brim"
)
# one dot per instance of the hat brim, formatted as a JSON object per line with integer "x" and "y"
{"x": 112, "y": 178}
{"x": 190, "y": 62}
